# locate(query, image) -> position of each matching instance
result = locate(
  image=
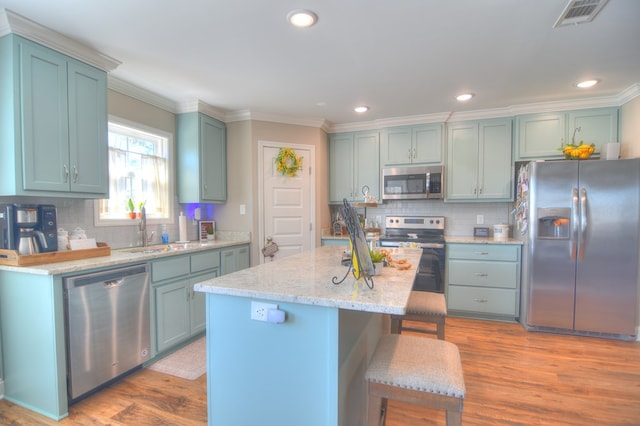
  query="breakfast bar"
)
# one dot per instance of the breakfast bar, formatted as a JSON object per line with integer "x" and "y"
{"x": 308, "y": 369}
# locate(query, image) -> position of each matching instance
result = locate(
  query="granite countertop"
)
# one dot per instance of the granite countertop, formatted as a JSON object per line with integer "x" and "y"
{"x": 306, "y": 278}
{"x": 125, "y": 255}
{"x": 481, "y": 240}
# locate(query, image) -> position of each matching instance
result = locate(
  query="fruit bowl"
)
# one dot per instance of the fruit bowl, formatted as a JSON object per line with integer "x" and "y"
{"x": 577, "y": 152}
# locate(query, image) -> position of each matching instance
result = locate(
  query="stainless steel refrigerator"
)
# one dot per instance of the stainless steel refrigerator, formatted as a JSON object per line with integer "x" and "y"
{"x": 582, "y": 257}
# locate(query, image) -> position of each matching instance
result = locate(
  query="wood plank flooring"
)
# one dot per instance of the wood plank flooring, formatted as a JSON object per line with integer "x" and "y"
{"x": 512, "y": 378}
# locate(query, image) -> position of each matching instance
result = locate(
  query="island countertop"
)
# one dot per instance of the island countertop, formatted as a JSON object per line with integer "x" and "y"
{"x": 306, "y": 278}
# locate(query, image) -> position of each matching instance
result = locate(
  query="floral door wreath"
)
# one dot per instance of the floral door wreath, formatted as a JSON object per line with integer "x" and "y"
{"x": 287, "y": 162}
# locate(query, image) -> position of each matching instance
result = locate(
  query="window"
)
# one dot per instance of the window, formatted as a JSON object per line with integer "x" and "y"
{"x": 138, "y": 171}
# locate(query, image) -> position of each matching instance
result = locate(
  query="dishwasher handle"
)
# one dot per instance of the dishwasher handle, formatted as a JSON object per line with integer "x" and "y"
{"x": 109, "y": 278}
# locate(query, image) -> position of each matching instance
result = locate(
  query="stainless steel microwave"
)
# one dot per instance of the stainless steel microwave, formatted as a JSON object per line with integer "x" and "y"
{"x": 413, "y": 183}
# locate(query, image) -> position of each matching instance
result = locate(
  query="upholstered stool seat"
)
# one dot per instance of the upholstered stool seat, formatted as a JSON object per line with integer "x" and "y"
{"x": 416, "y": 370}
{"x": 424, "y": 307}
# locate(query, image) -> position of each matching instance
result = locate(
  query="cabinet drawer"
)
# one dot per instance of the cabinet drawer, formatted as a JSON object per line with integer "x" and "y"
{"x": 169, "y": 268}
{"x": 484, "y": 300}
{"x": 206, "y": 260}
{"x": 484, "y": 252}
{"x": 483, "y": 274}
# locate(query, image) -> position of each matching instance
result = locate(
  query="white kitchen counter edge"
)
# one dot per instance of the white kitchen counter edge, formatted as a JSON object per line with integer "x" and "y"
{"x": 118, "y": 257}
{"x": 305, "y": 278}
{"x": 481, "y": 240}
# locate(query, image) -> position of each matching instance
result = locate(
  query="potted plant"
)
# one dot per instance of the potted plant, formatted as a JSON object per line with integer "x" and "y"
{"x": 131, "y": 207}
{"x": 141, "y": 204}
{"x": 377, "y": 258}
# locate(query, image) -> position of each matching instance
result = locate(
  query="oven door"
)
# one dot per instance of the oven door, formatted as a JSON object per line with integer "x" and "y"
{"x": 430, "y": 276}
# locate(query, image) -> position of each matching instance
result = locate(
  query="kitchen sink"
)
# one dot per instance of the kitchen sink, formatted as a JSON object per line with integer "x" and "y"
{"x": 163, "y": 248}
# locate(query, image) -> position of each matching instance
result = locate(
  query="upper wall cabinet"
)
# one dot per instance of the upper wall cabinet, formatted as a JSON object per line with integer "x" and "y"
{"x": 412, "y": 145}
{"x": 479, "y": 161}
{"x": 540, "y": 135}
{"x": 202, "y": 159}
{"x": 354, "y": 162}
{"x": 53, "y": 123}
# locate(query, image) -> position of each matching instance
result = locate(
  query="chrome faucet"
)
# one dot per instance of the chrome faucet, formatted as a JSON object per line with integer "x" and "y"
{"x": 143, "y": 227}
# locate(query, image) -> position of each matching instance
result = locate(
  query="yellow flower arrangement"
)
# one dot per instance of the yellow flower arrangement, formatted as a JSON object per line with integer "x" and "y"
{"x": 577, "y": 152}
{"x": 287, "y": 162}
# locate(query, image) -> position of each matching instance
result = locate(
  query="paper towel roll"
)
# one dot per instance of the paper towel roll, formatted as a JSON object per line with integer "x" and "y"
{"x": 182, "y": 227}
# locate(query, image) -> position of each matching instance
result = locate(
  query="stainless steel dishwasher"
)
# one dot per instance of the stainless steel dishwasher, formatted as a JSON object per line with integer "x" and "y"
{"x": 107, "y": 326}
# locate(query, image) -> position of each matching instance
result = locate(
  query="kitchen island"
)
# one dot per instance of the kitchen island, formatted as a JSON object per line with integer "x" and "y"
{"x": 309, "y": 369}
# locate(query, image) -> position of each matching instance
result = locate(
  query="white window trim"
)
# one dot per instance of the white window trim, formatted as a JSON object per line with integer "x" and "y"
{"x": 171, "y": 170}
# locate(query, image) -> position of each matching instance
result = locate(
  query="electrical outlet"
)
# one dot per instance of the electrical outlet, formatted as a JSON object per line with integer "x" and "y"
{"x": 259, "y": 310}
{"x": 480, "y": 219}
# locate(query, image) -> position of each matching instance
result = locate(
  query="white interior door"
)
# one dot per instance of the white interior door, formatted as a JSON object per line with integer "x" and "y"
{"x": 286, "y": 202}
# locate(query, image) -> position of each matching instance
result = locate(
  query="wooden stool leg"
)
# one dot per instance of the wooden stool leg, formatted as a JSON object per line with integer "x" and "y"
{"x": 440, "y": 328}
{"x": 454, "y": 418}
{"x": 375, "y": 410}
{"x": 396, "y": 325}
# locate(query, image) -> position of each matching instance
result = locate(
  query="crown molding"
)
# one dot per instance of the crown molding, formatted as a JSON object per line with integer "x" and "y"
{"x": 203, "y": 107}
{"x": 242, "y": 115}
{"x": 128, "y": 89}
{"x": 11, "y": 22}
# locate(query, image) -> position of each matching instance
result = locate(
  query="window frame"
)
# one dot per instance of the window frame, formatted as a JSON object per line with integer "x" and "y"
{"x": 170, "y": 178}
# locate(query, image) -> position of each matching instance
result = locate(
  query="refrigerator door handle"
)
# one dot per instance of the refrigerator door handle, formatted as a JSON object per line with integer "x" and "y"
{"x": 583, "y": 224}
{"x": 574, "y": 223}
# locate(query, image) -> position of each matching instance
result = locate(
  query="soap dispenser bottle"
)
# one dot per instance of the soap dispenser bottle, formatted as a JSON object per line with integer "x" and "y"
{"x": 165, "y": 236}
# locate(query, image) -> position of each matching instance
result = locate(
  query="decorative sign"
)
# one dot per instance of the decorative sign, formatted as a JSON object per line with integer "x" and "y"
{"x": 207, "y": 230}
{"x": 270, "y": 248}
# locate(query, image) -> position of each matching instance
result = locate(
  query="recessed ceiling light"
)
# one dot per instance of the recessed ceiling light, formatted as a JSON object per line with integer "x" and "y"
{"x": 361, "y": 109}
{"x": 587, "y": 84}
{"x": 302, "y": 18}
{"x": 464, "y": 97}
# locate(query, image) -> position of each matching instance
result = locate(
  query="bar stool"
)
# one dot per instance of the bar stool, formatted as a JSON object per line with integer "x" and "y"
{"x": 425, "y": 307}
{"x": 415, "y": 370}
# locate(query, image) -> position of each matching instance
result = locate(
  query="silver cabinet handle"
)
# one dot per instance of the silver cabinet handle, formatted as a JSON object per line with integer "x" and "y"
{"x": 480, "y": 300}
{"x": 75, "y": 174}
{"x": 481, "y": 274}
{"x": 482, "y": 253}
{"x": 66, "y": 173}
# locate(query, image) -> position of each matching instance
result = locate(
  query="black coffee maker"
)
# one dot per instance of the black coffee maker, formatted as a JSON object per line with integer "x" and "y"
{"x": 28, "y": 228}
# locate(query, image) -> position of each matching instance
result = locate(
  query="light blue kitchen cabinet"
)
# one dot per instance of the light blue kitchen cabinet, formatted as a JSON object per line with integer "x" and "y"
{"x": 478, "y": 166}
{"x": 201, "y": 159}
{"x": 234, "y": 259}
{"x": 540, "y": 135}
{"x": 483, "y": 280}
{"x": 408, "y": 145}
{"x": 54, "y": 123}
{"x": 179, "y": 312}
{"x": 354, "y": 162}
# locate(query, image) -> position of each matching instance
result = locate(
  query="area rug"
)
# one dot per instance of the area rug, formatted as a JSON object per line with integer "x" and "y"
{"x": 188, "y": 363}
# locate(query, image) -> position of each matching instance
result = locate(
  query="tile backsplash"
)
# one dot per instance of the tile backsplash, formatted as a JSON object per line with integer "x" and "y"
{"x": 460, "y": 218}
{"x": 73, "y": 213}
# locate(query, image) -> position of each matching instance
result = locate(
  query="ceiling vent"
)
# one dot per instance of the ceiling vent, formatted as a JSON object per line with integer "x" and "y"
{"x": 579, "y": 12}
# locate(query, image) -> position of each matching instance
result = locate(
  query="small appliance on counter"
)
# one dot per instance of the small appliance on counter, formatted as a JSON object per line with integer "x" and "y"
{"x": 28, "y": 228}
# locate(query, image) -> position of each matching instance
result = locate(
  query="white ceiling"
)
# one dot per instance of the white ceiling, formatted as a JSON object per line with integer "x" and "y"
{"x": 402, "y": 58}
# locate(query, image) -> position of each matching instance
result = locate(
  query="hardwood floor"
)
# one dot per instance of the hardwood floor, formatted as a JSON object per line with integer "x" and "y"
{"x": 512, "y": 378}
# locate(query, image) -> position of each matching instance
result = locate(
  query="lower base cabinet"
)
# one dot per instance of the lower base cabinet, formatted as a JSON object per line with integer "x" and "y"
{"x": 179, "y": 313}
{"x": 483, "y": 280}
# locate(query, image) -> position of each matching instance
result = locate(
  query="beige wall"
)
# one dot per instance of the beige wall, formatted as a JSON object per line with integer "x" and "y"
{"x": 242, "y": 179}
{"x": 630, "y": 129}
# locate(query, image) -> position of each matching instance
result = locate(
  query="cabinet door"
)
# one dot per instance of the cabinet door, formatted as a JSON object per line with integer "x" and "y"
{"x": 462, "y": 161}
{"x": 340, "y": 167}
{"x": 173, "y": 321}
{"x": 597, "y": 126}
{"x": 427, "y": 144}
{"x": 88, "y": 145}
{"x": 367, "y": 164}
{"x": 213, "y": 160}
{"x": 45, "y": 137}
{"x": 197, "y": 306}
{"x": 243, "y": 259}
{"x": 228, "y": 261}
{"x": 494, "y": 171}
{"x": 396, "y": 147}
{"x": 540, "y": 135}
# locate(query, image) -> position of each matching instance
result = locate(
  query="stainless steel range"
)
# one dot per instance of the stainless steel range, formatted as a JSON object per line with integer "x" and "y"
{"x": 427, "y": 233}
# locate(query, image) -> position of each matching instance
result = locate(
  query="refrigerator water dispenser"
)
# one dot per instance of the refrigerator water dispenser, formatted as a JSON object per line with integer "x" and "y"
{"x": 553, "y": 223}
